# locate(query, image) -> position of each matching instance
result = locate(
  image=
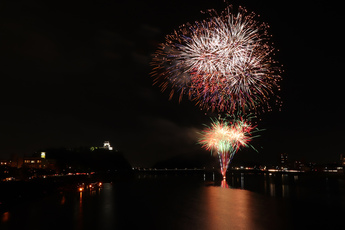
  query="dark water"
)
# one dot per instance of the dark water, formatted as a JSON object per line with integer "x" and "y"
{"x": 251, "y": 201}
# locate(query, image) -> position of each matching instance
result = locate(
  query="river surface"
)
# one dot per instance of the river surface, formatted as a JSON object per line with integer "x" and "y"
{"x": 245, "y": 201}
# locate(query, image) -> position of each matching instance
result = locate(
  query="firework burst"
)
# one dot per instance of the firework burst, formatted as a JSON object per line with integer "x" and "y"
{"x": 222, "y": 63}
{"x": 226, "y": 136}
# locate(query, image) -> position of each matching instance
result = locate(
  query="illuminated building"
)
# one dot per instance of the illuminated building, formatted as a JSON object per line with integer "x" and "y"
{"x": 284, "y": 159}
{"x": 5, "y": 163}
{"x": 32, "y": 162}
{"x": 43, "y": 155}
{"x": 106, "y": 145}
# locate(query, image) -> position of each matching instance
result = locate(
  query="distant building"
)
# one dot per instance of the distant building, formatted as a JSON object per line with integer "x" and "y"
{"x": 39, "y": 162}
{"x": 284, "y": 159}
{"x": 300, "y": 165}
{"x": 5, "y": 162}
{"x": 342, "y": 159}
{"x": 106, "y": 146}
{"x": 32, "y": 162}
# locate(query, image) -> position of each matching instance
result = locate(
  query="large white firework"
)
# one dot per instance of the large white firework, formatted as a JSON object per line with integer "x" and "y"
{"x": 223, "y": 62}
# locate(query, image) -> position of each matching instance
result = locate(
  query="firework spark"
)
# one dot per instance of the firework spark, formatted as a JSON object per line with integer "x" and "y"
{"x": 226, "y": 136}
{"x": 223, "y": 62}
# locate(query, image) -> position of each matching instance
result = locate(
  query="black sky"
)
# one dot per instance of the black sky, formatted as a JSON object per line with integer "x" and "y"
{"x": 76, "y": 73}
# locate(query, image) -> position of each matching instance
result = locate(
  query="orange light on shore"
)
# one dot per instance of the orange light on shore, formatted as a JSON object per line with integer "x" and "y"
{"x": 81, "y": 189}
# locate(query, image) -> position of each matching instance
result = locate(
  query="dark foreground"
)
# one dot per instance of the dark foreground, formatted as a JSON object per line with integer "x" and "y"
{"x": 193, "y": 201}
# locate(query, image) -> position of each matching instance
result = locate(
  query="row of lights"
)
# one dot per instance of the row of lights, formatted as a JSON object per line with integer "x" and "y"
{"x": 90, "y": 186}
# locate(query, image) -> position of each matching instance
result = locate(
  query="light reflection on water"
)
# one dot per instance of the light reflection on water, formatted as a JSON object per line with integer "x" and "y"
{"x": 79, "y": 213}
{"x": 228, "y": 209}
{"x": 5, "y": 217}
{"x": 275, "y": 185}
{"x": 243, "y": 201}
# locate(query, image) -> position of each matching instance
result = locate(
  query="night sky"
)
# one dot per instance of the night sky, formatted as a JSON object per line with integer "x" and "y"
{"x": 76, "y": 73}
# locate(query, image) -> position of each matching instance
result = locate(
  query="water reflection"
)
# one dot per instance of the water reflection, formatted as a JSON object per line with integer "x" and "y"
{"x": 272, "y": 189}
{"x": 79, "y": 212}
{"x": 186, "y": 203}
{"x": 5, "y": 217}
{"x": 227, "y": 209}
{"x": 265, "y": 183}
{"x": 107, "y": 207}
{"x": 271, "y": 184}
{"x": 285, "y": 185}
{"x": 285, "y": 190}
{"x": 240, "y": 209}
{"x": 63, "y": 200}
{"x": 224, "y": 184}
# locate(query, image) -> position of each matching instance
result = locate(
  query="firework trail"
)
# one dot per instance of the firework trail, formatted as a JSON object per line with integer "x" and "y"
{"x": 223, "y": 63}
{"x": 226, "y": 136}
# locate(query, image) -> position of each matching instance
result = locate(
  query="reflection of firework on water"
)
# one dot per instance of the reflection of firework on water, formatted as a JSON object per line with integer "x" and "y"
{"x": 223, "y": 62}
{"x": 226, "y": 136}
{"x": 224, "y": 184}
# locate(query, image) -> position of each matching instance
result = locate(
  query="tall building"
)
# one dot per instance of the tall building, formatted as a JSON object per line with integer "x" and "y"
{"x": 284, "y": 159}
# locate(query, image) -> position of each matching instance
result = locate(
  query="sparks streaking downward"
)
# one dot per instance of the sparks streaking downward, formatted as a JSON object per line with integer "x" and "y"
{"x": 226, "y": 136}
